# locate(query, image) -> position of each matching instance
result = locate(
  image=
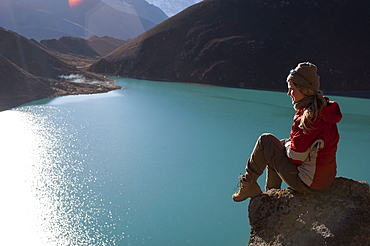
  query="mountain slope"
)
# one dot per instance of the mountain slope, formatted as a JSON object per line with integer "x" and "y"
{"x": 31, "y": 57}
{"x": 15, "y": 81}
{"x": 104, "y": 45}
{"x": 72, "y": 45}
{"x": 29, "y": 72}
{"x": 81, "y": 52}
{"x": 252, "y": 44}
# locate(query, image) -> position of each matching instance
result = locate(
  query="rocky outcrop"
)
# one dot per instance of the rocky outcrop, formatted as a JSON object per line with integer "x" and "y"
{"x": 252, "y": 44}
{"x": 337, "y": 216}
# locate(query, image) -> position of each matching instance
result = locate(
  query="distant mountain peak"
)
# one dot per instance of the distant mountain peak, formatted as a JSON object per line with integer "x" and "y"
{"x": 45, "y": 19}
{"x": 172, "y": 7}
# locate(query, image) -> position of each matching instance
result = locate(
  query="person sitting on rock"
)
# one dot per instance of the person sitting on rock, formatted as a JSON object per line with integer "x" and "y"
{"x": 306, "y": 161}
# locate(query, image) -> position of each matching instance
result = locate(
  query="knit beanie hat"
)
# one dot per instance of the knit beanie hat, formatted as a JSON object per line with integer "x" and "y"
{"x": 305, "y": 75}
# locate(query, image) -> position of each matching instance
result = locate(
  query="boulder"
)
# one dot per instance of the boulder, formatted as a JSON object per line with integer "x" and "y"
{"x": 339, "y": 215}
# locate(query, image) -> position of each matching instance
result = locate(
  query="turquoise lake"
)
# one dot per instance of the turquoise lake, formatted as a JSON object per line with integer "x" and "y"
{"x": 152, "y": 164}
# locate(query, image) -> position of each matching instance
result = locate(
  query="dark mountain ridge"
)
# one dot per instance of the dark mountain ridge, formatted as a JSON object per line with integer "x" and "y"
{"x": 15, "y": 82}
{"x": 252, "y": 44}
{"x": 77, "y": 46}
{"x": 29, "y": 71}
{"x": 104, "y": 45}
{"x": 94, "y": 46}
{"x": 30, "y": 56}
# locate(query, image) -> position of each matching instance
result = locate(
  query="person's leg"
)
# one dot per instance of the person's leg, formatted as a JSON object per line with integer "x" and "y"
{"x": 270, "y": 152}
{"x": 273, "y": 180}
{"x": 266, "y": 149}
{"x": 248, "y": 187}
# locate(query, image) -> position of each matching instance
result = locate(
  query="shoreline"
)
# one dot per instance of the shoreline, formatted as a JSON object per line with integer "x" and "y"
{"x": 353, "y": 94}
{"x": 86, "y": 89}
{"x": 7, "y": 103}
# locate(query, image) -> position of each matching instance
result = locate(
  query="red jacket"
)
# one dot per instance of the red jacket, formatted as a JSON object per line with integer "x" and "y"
{"x": 315, "y": 152}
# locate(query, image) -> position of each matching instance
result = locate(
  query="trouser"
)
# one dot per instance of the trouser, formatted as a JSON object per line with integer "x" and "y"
{"x": 269, "y": 152}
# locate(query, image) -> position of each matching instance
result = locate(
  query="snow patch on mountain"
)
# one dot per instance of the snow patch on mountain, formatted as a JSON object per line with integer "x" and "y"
{"x": 172, "y": 7}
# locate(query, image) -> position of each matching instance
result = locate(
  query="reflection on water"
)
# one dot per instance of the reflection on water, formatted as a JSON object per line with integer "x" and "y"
{"x": 46, "y": 184}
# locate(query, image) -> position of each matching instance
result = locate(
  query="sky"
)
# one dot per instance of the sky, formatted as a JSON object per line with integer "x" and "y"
{"x": 46, "y": 19}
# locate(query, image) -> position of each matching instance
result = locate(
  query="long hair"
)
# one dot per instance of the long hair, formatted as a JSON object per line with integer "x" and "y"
{"x": 315, "y": 106}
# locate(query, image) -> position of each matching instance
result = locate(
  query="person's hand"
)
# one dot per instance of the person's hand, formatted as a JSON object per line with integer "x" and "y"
{"x": 283, "y": 141}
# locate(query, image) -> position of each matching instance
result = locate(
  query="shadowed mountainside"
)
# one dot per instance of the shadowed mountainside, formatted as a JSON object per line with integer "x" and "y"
{"x": 77, "y": 46}
{"x": 30, "y": 72}
{"x": 252, "y": 44}
{"x": 31, "y": 57}
{"x": 18, "y": 85}
{"x": 81, "y": 52}
{"x": 104, "y": 45}
{"x": 92, "y": 47}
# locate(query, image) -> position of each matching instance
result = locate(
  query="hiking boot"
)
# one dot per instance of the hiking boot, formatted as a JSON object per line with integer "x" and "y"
{"x": 248, "y": 188}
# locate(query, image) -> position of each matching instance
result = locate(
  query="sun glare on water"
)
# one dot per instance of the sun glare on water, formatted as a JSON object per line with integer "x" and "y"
{"x": 73, "y": 3}
{"x": 40, "y": 182}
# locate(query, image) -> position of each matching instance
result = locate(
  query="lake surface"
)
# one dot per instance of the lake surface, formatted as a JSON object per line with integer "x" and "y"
{"x": 152, "y": 164}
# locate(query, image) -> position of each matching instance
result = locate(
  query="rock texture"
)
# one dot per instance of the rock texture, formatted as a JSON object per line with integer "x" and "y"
{"x": 252, "y": 44}
{"x": 337, "y": 216}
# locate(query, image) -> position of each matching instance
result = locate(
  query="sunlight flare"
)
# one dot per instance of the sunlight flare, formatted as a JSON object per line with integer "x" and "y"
{"x": 73, "y": 3}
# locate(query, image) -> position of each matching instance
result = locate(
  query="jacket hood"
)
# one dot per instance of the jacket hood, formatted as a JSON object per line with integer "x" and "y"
{"x": 331, "y": 113}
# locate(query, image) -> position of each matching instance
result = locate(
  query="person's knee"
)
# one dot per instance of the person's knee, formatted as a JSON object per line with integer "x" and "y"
{"x": 267, "y": 137}
{"x": 271, "y": 145}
